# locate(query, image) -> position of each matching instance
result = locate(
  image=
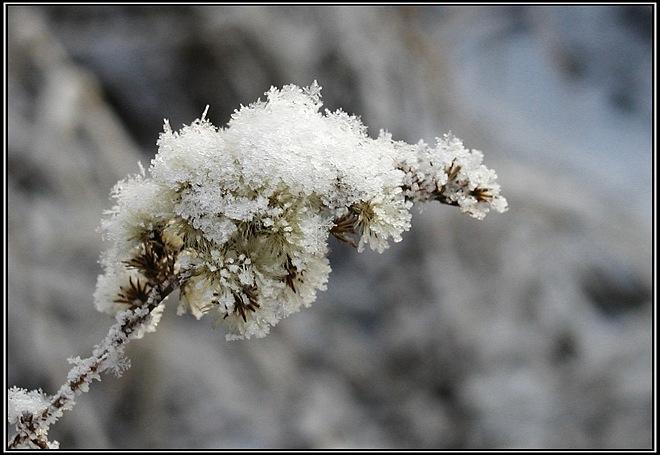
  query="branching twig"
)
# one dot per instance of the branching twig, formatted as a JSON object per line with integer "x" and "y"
{"x": 238, "y": 220}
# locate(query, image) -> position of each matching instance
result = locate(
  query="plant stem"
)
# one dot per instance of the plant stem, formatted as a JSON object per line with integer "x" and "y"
{"x": 32, "y": 428}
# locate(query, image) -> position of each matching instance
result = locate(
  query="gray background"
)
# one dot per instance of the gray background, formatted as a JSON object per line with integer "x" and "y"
{"x": 528, "y": 329}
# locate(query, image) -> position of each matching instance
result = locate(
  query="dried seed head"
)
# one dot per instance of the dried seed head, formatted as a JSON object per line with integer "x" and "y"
{"x": 242, "y": 215}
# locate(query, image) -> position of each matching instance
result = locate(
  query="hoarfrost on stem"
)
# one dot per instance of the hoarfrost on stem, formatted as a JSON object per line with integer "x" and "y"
{"x": 238, "y": 220}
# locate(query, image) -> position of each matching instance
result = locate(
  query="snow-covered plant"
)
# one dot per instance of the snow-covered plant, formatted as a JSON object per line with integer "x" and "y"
{"x": 238, "y": 221}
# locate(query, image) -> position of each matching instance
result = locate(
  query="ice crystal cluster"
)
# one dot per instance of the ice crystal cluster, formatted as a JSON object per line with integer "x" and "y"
{"x": 240, "y": 217}
{"x": 21, "y": 403}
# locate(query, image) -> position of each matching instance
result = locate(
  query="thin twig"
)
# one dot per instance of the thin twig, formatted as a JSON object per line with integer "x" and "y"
{"x": 33, "y": 428}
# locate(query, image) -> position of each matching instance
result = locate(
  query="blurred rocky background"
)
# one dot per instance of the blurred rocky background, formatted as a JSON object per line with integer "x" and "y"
{"x": 530, "y": 329}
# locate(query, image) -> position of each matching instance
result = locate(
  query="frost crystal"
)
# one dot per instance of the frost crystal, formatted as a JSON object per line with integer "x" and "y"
{"x": 21, "y": 401}
{"x": 240, "y": 217}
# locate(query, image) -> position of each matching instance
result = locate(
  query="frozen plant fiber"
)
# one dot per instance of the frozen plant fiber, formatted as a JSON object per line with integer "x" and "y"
{"x": 238, "y": 220}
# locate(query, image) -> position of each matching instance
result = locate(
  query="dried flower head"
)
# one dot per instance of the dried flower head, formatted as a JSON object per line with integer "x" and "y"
{"x": 239, "y": 218}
